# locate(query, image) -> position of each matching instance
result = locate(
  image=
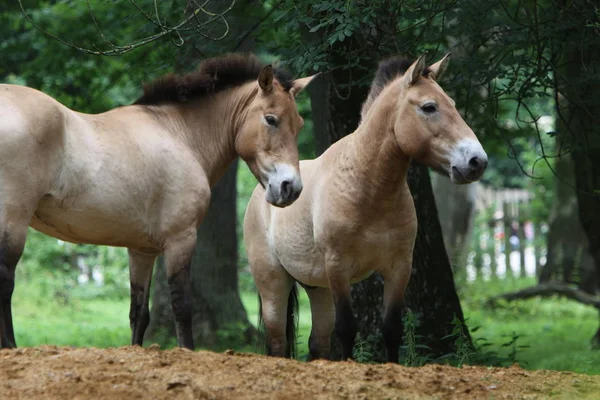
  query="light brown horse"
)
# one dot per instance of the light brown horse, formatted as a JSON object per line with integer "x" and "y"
{"x": 139, "y": 176}
{"x": 356, "y": 214}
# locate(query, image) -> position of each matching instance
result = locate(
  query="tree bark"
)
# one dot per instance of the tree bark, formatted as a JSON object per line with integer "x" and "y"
{"x": 431, "y": 291}
{"x": 456, "y": 210}
{"x": 578, "y": 108}
{"x": 567, "y": 243}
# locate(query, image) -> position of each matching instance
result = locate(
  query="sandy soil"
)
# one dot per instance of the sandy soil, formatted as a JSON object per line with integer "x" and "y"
{"x": 134, "y": 373}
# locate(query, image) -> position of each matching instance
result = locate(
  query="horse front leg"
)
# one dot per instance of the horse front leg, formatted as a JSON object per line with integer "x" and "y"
{"x": 395, "y": 282}
{"x": 274, "y": 285}
{"x": 140, "y": 276}
{"x": 179, "y": 251}
{"x": 323, "y": 322}
{"x": 345, "y": 322}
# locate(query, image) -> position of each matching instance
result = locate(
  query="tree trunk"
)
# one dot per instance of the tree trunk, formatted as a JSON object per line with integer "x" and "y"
{"x": 456, "y": 210}
{"x": 567, "y": 243}
{"x": 431, "y": 291}
{"x": 578, "y": 108}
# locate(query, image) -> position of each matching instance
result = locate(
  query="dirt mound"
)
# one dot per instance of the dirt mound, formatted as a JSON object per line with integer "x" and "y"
{"x": 131, "y": 372}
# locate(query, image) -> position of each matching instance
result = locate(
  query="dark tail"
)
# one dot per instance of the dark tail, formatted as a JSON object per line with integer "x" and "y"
{"x": 290, "y": 329}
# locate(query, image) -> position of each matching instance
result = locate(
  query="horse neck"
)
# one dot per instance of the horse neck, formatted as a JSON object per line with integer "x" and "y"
{"x": 212, "y": 125}
{"x": 376, "y": 158}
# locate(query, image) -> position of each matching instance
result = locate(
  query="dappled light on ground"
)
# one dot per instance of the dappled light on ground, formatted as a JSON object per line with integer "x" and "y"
{"x": 132, "y": 372}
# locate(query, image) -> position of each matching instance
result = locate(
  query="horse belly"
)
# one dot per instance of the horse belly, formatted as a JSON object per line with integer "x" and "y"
{"x": 302, "y": 261}
{"x": 89, "y": 227}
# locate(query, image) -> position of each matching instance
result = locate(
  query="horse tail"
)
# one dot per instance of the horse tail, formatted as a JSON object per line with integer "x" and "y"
{"x": 292, "y": 320}
{"x": 290, "y": 328}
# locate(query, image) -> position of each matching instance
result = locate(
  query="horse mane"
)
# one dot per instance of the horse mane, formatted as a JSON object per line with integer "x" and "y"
{"x": 212, "y": 75}
{"x": 388, "y": 70}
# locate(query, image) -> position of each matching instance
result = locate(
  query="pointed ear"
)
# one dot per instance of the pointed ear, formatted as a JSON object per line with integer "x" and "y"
{"x": 438, "y": 69}
{"x": 415, "y": 70}
{"x": 299, "y": 84}
{"x": 265, "y": 78}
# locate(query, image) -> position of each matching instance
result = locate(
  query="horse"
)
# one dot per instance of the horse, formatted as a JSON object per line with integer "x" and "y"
{"x": 356, "y": 214}
{"x": 140, "y": 176}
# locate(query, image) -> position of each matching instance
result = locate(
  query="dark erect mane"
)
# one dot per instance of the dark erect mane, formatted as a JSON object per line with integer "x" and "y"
{"x": 388, "y": 70}
{"x": 213, "y": 75}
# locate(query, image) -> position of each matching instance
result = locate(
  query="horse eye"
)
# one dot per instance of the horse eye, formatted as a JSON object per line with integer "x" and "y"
{"x": 429, "y": 108}
{"x": 271, "y": 120}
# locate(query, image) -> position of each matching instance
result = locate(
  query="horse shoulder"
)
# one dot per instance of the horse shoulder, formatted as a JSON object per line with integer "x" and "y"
{"x": 256, "y": 223}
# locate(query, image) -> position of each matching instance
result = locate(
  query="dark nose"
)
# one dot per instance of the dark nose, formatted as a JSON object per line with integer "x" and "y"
{"x": 287, "y": 191}
{"x": 477, "y": 166}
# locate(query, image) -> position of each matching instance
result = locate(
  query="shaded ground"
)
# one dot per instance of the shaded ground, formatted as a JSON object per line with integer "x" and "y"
{"x": 131, "y": 372}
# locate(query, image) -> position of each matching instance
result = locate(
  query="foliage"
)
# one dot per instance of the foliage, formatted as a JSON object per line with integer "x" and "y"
{"x": 412, "y": 357}
{"x": 72, "y": 77}
{"x": 363, "y": 351}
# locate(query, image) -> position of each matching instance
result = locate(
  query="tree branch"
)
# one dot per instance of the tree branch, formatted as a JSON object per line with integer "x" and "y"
{"x": 547, "y": 290}
{"x": 182, "y": 26}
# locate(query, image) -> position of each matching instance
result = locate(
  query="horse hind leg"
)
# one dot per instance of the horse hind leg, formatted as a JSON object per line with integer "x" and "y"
{"x": 323, "y": 322}
{"x": 140, "y": 275}
{"x": 12, "y": 242}
{"x": 8, "y": 263}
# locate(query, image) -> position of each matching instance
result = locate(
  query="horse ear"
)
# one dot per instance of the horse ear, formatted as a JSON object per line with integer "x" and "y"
{"x": 438, "y": 69}
{"x": 265, "y": 78}
{"x": 299, "y": 84}
{"x": 415, "y": 70}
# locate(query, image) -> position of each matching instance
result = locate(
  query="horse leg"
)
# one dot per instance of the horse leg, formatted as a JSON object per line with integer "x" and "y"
{"x": 179, "y": 251}
{"x": 9, "y": 257}
{"x": 323, "y": 322}
{"x": 274, "y": 286}
{"x": 13, "y": 233}
{"x": 140, "y": 277}
{"x": 345, "y": 322}
{"x": 395, "y": 282}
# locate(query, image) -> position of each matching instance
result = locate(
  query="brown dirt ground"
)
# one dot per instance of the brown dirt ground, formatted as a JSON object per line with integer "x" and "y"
{"x": 50, "y": 372}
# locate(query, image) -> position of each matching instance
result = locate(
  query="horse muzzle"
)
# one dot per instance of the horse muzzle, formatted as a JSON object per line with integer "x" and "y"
{"x": 469, "y": 162}
{"x": 284, "y": 186}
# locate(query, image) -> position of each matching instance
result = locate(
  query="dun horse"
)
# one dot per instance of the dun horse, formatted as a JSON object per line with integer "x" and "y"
{"x": 139, "y": 176}
{"x": 356, "y": 214}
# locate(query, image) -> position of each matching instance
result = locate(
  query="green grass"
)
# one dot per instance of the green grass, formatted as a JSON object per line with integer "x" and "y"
{"x": 53, "y": 318}
{"x": 557, "y": 331}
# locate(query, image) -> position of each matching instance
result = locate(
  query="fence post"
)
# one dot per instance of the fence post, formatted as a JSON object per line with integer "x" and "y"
{"x": 491, "y": 247}
{"x": 522, "y": 246}
{"x": 506, "y": 218}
